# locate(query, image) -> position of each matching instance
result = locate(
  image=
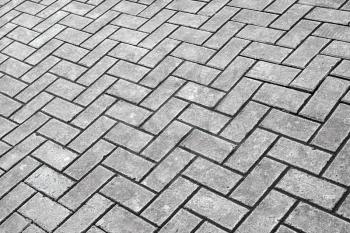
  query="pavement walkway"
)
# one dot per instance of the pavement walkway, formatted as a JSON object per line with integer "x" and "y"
{"x": 174, "y": 116}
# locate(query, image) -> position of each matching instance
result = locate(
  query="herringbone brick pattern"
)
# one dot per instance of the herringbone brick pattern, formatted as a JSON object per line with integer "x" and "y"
{"x": 206, "y": 116}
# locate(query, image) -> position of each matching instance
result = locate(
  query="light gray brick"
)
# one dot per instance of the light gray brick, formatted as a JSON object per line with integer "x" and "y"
{"x": 329, "y": 15}
{"x": 218, "y": 19}
{"x": 193, "y": 53}
{"x": 270, "y": 53}
{"x": 196, "y": 73}
{"x": 333, "y": 31}
{"x": 258, "y": 18}
{"x": 338, "y": 49}
{"x": 183, "y": 221}
{"x": 260, "y": 34}
{"x": 291, "y": 16}
{"x": 187, "y": 19}
{"x": 128, "y": 113}
{"x": 342, "y": 69}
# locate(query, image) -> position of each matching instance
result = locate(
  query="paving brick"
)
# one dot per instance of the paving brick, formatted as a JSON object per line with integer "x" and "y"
{"x": 33, "y": 209}
{"x": 291, "y": 16}
{"x": 91, "y": 134}
{"x": 59, "y": 131}
{"x": 93, "y": 111}
{"x": 32, "y": 228}
{"x": 98, "y": 52}
{"x": 197, "y": 73}
{"x": 274, "y": 73}
{"x": 8, "y": 105}
{"x": 258, "y": 181}
{"x": 228, "y": 52}
{"x": 281, "y": 97}
{"x": 20, "y": 151}
{"x": 128, "y": 113}
{"x": 11, "y": 86}
{"x": 157, "y": 20}
{"x": 266, "y": 52}
{"x": 68, "y": 70}
{"x": 23, "y": 35}
{"x": 6, "y": 126}
{"x": 267, "y": 214}
{"x": 333, "y": 31}
{"x": 161, "y": 207}
{"x": 128, "y": 71}
{"x": 279, "y": 6}
{"x": 254, "y": 4}
{"x": 128, "y": 36}
{"x": 207, "y": 227}
{"x": 14, "y": 199}
{"x": 43, "y": 52}
{"x": 217, "y": 208}
{"x": 128, "y": 163}
{"x": 342, "y": 69}
{"x": 200, "y": 94}
{"x": 162, "y": 93}
{"x": 73, "y": 36}
{"x": 86, "y": 215}
{"x": 49, "y": 182}
{"x": 338, "y": 49}
{"x": 212, "y": 7}
{"x": 254, "y": 17}
{"x": 290, "y": 125}
{"x": 186, "y": 5}
{"x": 85, "y": 188}
{"x": 187, "y": 19}
{"x": 167, "y": 140}
{"x": 193, "y": 53}
{"x": 210, "y": 146}
{"x": 62, "y": 109}
{"x": 87, "y": 161}
{"x": 129, "y": 7}
{"x": 156, "y": 123}
{"x": 314, "y": 73}
{"x": 218, "y": 19}
{"x": 129, "y": 137}
{"x": 99, "y": 36}
{"x": 129, "y": 21}
{"x": 65, "y": 89}
{"x": 15, "y": 223}
{"x": 239, "y": 95}
{"x": 127, "y": 193}
{"x": 310, "y": 219}
{"x": 261, "y": 34}
{"x": 204, "y": 118}
{"x": 119, "y": 219}
{"x": 14, "y": 67}
{"x": 246, "y": 155}
{"x": 344, "y": 208}
{"x": 212, "y": 175}
{"x": 334, "y": 131}
{"x": 300, "y": 155}
{"x": 183, "y": 221}
{"x": 243, "y": 123}
{"x": 329, "y": 15}
{"x": 128, "y": 91}
{"x": 101, "y": 22}
{"x": 18, "y": 50}
{"x": 306, "y": 51}
{"x": 128, "y": 52}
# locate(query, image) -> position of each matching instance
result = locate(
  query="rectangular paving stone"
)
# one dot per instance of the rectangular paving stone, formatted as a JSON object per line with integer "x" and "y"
{"x": 253, "y": 4}
{"x": 266, "y": 52}
{"x": 187, "y": 19}
{"x": 190, "y": 35}
{"x": 334, "y": 131}
{"x": 311, "y": 188}
{"x": 212, "y": 175}
{"x": 91, "y": 134}
{"x": 87, "y": 161}
{"x": 196, "y": 73}
{"x": 183, "y": 221}
{"x": 129, "y": 91}
{"x": 306, "y": 51}
{"x": 43, "y": 52}
{"x": 167, "y": 169}
{"x": 298, "y": 33}
{"x": 290, "y": 125}
{"x": 8, "y": 105}
{"x": 62, "y": 109}
{"x": 338, "y": 49}
{"x": 15, "y": 223}
{"x": 128, "y": 113}
{"x": 122, "y": 220}
{"x": 244, "y": 122}
{"x": 167, "y": 140}
{"x": 329, "y": 15}
{"x": 85, "y": 188}
{"x": 169, "y": 200}
{"x": 258, "y": 181}
{"x": 267, "y": 214}
{"x": 291, "y": 16}
{"x": 223, "y": 211}
{"x": 274, "y": 73}
{"x": 128, "y": 52}
{"x": 127, "y": 193}
{"x": 204, "y": 118}
{"x": 339, "y": 170}
{"x": 300, "y": 155}
{"x": 159, "y": 42}
{"x": 246, "y": 155}
{"x": 312, "y": 220}
{"x": 227, "y": 53}
{"x": 322, "y": 102}
{"x": 342, "y": 70}
{"x": 200, "y": 94}
{"x": 128, "y": 71}
{"x": 260, "y": 34}
{"x": 314, "y": 73}
{"x": 33, "y": 209}
{"x": 233, "y": 73}
{"x": 49, "y": 181}
{"x": 193, "y": 53}
{"x": 238, "y": 96}
{"x": 208, "y": 145}
{"x": 97, "y": 53}
{"x": 218, "y": 19}
{"x": 280, "y": 6}
{"x": 157, "y": 20}
{"x": 333, "y": 31}
{"x": 258, "y": 18}
{"x": 128, "y": 164}
{"x": 129, "y": 137}
{"x": 86, "y": 215}
{"x": 281, "y": 97}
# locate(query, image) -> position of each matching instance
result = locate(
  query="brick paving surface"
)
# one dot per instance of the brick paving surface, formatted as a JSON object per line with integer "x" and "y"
{"x": 205, "y": 116}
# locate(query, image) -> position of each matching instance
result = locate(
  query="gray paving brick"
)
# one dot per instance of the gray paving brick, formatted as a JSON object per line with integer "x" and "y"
{"x": 127, "y": 193}
{"x": 258, "y": 181}
{"x": 260, "y": 34}
{"x": 193, "y": 53}
{"x": 187, "y": 19}
{"x": 338, "y": 49}
{"x": 290, "y": 125}
{"x": 161, "y": 208}
{"x": 334, "y": 131}
{"x": 183, "y": 221}
{"x": 207, "y": 227}
{"x": 254, "y": 4}
{"x": 217, "y": 208}
{"x": 251, "y": 150}
{"x": 342, "y": 69}
{"x": 217, "y": 20}
{"x": 196, "y": 73}
{"x": 329, "y": 15}
{"x": 243, "y": 123}
{"x": 267, "y": 214}
{"x": 15, "y": 223}
{"x": 291, "y": 16}
{"x": 300, "y": 155}
{"x": 333, "y": 31}
{"x": 128, "y": 91}
{"x": 266, "y": 52}
{"x": 310, "y": 219}
{"x": 254, "y": 17}
{"x": 208, "y": 145}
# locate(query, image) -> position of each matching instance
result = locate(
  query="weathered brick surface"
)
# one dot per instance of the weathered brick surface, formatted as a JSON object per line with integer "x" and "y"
{"x": 201, "y": 116}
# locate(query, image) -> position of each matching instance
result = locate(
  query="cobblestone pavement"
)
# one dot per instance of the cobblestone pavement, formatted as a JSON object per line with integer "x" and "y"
{"x": 172, "y": 116}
